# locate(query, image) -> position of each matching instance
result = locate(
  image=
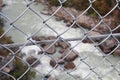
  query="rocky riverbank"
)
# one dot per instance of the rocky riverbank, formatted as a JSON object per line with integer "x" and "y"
{"x": 9, "y": 63}
{"x": 63, "y": 58}
{"x": 88, "y": 22}
{"x": 68, "y": 14}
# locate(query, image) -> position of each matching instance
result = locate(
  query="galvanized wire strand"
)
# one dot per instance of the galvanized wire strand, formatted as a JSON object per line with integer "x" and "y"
{"x": 13, "y": 45}
{"x": 83, "y": 60}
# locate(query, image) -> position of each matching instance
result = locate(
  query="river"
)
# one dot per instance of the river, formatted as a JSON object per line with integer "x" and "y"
{"x": 31, "y": 24}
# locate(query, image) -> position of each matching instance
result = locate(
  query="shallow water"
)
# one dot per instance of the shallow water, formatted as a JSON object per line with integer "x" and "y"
{"x": 30, "y": 23}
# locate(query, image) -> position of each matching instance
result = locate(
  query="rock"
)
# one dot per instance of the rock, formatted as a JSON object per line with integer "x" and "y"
{"x": 102, "y": 29}
{"x": 68, "y": 24}
{"x": 86, "y": 21}
{"x": 44, "y": 12}
{"x": 42, "y": 1}
{"x": 70, "y": 55}
{"x": 6, "y": 69}
{"x": 62, "y": 51}
{"x": 52, "y": 78}
{"x": 64, "y": 45}
{"x": 41, "y": 52}
{"x": 60, "y": 61}
{"x": 108, "y": 45}
{"x": 50, "y": 50}
{"x": 35, "y": 38}
{"x": 9, "y": 67}
{"x": 93, "y": 33}
{"x": 56, "y": 44}
{"x": 87, "y": 40}
{"x": 69, "y": 65}
{"x": 51, "y": 37}
{"x": 31, "y": 60}
{"x": 41, "y": 38}
{"x": 52, "y": 63}
{"x": 47, "y": 76}
{"x": 117, "y": 52}
{"x": 58, "y": 18}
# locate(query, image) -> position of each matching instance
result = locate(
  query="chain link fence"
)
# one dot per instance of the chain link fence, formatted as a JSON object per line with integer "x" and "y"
{"x": 59, "y": 43}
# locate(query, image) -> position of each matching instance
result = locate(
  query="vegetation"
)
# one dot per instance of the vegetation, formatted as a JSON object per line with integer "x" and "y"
{"x": 102, "y": 6}
{"x": 4, "y": 39}
{"x": 77, "y": 4}
{"x": 20, "y": 67}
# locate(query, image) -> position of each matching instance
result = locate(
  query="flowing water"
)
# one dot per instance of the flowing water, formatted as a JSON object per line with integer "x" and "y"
{"x": 32, "y": 25}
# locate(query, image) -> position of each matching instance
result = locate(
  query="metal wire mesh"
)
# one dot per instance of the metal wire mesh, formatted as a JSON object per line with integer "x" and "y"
{"x": 50, "y": 53}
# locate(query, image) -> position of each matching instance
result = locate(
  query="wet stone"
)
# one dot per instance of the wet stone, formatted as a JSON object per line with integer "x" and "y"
{"x": 92, "y": 33}
{"x": 31, "y": 60}
{"x": 108, "y": 45}
{"x": 117, "y": 52}
{"x": 56, "y": 44}
{"x": 63, "y": 45}
{"x": 35, "y": 38}
{"x": 87, "y": 40}
{"x": 6, "y": 69}
{"x": 50, "y": 50}
{"x": 69, "y": 65}
{"x": 41, "y": 38}
{"x": 41, "y": 52}
{"x": 62, "y": 51}
{"x": 52, "y": 63}
{"x": 70, "y": 55}
{"x": 51, "y": 37}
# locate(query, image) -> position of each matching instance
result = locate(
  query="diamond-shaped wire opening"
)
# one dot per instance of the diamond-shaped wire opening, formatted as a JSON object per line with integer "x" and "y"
{"x": 110, "y": 66}
{"x": 99, "y": 33}
{"x": 19, "y": 72}
{"x": 112, "y": 20}
{"x": 79, "y": 3}
{"x": 109, "y": 45}
{"x": 10, "y": 7}
{"x": 104, "y": 6}
{"x": 6, "y": 64}
{"x": 116, "y": 65}
{"x": 5, "y": 76}
{"x": 116, "y": 51}
{"x": 45, "y": 68}
{"x": 87, "y": 20}
{"x": 116, "y": 29}
{"x": 90, "y": 70}
{"x": 59, "y": 35}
